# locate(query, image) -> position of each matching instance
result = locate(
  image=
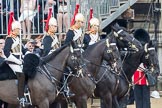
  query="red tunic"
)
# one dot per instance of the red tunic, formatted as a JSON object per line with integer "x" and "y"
{"x": 139, "y": 78}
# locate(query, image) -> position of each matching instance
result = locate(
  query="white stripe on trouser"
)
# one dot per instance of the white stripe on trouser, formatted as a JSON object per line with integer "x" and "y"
{"x": 16, "y": 68}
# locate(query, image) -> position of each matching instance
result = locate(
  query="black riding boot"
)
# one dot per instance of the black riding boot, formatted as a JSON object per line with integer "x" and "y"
{"x": 21, "y": 85}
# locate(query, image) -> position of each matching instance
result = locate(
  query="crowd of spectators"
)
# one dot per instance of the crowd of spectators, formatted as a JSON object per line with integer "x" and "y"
{"x": 33, "y": 15}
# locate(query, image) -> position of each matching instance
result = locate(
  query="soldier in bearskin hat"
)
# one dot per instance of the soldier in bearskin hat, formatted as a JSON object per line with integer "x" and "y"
{"x": 142, "y": 36}
{"x": 141, "y": 87}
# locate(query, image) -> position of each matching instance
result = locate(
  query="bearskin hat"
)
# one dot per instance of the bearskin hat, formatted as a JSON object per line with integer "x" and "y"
{"x": 142, "y": 35}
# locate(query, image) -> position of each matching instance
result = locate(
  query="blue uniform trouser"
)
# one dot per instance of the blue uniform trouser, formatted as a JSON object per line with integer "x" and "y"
{"x": 142, "y": 96}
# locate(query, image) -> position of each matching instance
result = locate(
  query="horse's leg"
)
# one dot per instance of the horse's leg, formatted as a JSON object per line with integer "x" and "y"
{"x": 115, "y": 102}
{"x": 44, "y": 104}
{"x": 55, "y": 105}
{"x": 123, "y": 102}
{"x": 107, "y": 101}
{"x": 64, "y": 104}
{"x": 102, "y": 103}
{"x": 81, "y": 102}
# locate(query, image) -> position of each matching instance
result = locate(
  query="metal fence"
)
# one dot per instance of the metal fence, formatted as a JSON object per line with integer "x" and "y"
{"x": 38, "y": 11}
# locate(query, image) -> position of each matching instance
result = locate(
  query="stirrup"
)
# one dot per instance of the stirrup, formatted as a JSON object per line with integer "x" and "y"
{"x": 22, "y": 101}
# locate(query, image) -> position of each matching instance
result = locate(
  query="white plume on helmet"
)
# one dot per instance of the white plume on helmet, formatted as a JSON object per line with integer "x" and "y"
{"x": 15, "y": 25}
{"x": 94, "y": 21}
{"x": 52, "y": 21}
{"x": 79, "y": 17}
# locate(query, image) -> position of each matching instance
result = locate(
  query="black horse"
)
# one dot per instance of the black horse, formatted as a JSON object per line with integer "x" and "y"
{"x": 91, "y": 59}
{"x": 93, "y": 67}
{"x": 119, "y": 84}
{"x": 43, "y": 77}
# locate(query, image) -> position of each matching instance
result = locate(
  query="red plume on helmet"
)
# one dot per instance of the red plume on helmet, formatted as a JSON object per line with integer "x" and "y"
{"x": 90, "y": 17}
{"x": 76, "y": 11}
{"x": 11, "y": 19}
{"x": 48, "y": 18}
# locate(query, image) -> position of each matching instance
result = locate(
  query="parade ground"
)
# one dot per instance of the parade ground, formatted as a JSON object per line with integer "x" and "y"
{"x": 155, "y": 103}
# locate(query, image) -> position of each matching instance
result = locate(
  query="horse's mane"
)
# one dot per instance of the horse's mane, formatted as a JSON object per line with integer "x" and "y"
{"x": 53, "y": 54}
{"x": 90, "y": 47}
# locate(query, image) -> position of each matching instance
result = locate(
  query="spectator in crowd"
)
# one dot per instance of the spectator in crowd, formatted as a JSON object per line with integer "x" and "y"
{"x": 43, "y": 8}
{"x": 27, "y": 11}
{"x": 62, "y": 18}
{"x": 32, "y": 47}
{"x": 3, "y": 16}
{"x": 141, "y": 89}
{"x": 4, "y": 11}
{"x": 2, "y": 43}
{"x": 29, "y": 46}
{"x": 2, "y": 57}
{"x": 50, "y": 40}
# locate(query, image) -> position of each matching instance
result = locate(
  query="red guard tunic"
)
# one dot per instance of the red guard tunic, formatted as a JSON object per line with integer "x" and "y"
{"x": 139, "y": 77}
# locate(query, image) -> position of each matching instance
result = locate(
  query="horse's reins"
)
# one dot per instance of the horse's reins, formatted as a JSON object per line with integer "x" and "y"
{"x": 88, "y": 61}
{"x": 52, "y": 78}
{"x": 131, "y": 83}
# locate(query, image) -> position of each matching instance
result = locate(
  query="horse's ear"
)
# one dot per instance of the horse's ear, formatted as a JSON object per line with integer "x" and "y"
{"x": 107, "y": 42}
{"x": 146, "y": 47}
{"x": 71, "y": 48}
{"x": 115, "y": 27}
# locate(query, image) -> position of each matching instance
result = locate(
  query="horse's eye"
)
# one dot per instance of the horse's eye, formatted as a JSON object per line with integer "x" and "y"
{"x": 109, "y": 51}
{"x": 72, "y": 57}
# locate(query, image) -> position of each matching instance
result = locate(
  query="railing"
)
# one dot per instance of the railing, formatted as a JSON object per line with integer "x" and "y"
{"x": 100, "y": 8}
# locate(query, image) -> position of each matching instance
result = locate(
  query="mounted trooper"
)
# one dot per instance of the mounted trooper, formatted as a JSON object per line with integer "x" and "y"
{"x": 13, "y": 57}
{"x": 74, "y": 35}
{"x": 92, "y": 35}
{"x": 75, "y": 32}
{"x": 50, "y": 40}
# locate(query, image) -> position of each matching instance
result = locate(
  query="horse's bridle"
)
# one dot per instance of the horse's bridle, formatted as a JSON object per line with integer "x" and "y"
{"x": 131, "y": 45}
{"x": 110, "y": 51}
{"x": 147, "y": 49}
{"x": 44, "y": 70}
{"x": 85, "y": 62}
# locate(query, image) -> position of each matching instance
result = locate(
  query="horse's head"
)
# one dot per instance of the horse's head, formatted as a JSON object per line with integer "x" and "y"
{"x": 126, "y": 39}
{"x": 150, "y": 58}
{"x": 74, "y": 60}
{"x": 112, "y": 55}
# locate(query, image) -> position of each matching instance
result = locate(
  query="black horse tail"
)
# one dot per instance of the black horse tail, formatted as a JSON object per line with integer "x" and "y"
{"x": 31, "y": 61}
